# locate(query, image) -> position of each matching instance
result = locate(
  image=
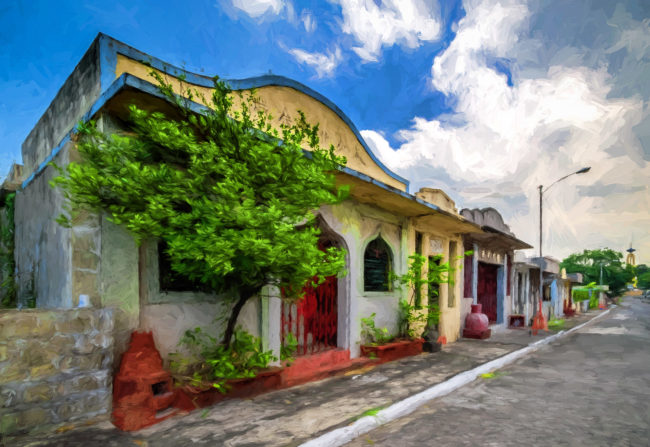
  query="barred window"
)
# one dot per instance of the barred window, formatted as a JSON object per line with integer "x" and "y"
{"x": 377, "y": 265}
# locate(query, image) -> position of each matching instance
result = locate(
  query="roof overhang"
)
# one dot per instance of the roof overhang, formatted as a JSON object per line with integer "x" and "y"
{"x": 365, "y": 189}
{"x": 494, "y": 239}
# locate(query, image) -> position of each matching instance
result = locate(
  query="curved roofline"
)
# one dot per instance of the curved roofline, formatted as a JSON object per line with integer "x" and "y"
{"x": 110, "y": 47}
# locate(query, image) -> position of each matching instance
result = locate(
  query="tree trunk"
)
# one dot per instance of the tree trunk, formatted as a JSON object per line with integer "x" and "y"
{"x": 244, "y": 295}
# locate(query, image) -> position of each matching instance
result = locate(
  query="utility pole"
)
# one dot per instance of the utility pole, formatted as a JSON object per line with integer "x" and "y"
{"x": 539, "y": 321}
{"x": 601, "y": 274}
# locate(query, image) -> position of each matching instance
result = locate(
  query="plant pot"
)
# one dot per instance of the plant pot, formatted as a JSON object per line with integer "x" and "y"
{"x": 394, "y": 350}
{"x": 476, "y": 324}
{"x": 431, "y": 340}
{"x": 191, "y": 398}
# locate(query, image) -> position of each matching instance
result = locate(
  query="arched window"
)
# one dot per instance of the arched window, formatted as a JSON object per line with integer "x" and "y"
{"x": 377, "y": 260}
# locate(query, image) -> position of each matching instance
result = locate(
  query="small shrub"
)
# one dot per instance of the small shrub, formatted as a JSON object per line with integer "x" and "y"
{"x": 210, "y": 363}
{"x": 373, "y": 335}
{"x": 289, "y": 348}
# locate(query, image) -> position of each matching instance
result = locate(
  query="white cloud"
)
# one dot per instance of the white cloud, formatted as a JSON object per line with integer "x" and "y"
{"x": 401, "y": 22}
{"x": 324, "y": 64}
{"x": 503, "y": 141}
{"x": 308, "y": 21}
{"x": 259, "y": 8}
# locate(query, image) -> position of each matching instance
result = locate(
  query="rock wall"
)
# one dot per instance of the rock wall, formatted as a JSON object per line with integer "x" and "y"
{"x": 55, "y": 367}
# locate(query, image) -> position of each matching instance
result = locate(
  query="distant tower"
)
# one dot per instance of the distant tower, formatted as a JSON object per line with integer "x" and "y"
{"x": 631, "y": 260}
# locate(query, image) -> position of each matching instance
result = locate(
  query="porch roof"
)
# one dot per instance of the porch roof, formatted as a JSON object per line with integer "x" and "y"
{"x": 367, "y": 190}
{"x": 496, "y": 239}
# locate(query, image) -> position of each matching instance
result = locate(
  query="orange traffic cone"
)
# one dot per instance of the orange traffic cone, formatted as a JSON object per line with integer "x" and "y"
{"x": 539, "y": 322}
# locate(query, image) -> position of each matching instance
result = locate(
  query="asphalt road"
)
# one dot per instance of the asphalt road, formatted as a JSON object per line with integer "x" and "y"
{"x": 591, "y": 388}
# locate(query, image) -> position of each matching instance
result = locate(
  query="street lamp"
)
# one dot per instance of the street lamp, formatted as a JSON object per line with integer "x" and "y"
{"x": 540, "y": 321}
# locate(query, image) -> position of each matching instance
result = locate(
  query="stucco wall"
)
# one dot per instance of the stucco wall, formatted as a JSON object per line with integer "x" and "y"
{"x": 43, "y": 247}
{"x": 75, "y": 97}
{"x": 357, "y": 225}
{"x": 167, "y": 314}
{"x": 435, "y": 241}
{"x": 118, "y": 281}
{"x": 284, "y": 103}
{"x": 169, "y": 321}
{"x": 450, "y": 322}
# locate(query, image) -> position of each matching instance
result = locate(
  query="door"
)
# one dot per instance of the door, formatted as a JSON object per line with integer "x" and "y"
{"x": 487, "y": 289}
{"x": 314, "y": 319}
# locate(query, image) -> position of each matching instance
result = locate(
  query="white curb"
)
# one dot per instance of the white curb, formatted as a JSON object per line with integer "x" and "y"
{"x": 404, "y": 407}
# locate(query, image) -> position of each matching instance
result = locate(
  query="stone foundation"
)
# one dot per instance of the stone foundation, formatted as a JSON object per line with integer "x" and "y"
{"x": 55, "y": 367}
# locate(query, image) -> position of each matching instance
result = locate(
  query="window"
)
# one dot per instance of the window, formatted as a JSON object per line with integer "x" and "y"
{"x": 433, "y": 291}
{"x": 418, "y": 250}
{"x": 377, "y": 261}
{"x": 467, "y": 274}
{"x": 171, "y": 281}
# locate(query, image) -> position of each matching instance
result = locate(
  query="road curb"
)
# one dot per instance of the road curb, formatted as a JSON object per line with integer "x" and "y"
{"x": 404, "y": 407}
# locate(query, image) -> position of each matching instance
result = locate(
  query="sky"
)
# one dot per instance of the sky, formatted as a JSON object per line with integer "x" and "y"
{"x": 485, "y": 99}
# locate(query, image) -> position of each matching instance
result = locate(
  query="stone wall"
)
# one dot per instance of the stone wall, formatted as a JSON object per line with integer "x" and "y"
{"x": 55, "y": 367}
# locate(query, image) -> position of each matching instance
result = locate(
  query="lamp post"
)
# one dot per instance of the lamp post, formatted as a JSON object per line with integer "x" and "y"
{"x": 540, "y": 321}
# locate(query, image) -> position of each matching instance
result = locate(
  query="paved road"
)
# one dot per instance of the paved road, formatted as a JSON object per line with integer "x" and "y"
{"x": 591, "y": 388}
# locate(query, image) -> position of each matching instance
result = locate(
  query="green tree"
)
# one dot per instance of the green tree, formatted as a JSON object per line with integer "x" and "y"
{"x": 231, "y": 197}
{"x": 643, "y": 276}
{"x": 615, "y": 272}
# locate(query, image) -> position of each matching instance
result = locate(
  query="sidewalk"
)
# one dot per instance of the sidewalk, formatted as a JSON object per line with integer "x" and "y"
{"x": 296, "y": 415}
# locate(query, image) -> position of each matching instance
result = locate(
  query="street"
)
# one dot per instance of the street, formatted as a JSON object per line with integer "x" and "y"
{"x": 591, "y": 388}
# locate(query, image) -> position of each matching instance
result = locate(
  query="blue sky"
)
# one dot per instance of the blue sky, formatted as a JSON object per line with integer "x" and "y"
{"x": 485, "y": 99}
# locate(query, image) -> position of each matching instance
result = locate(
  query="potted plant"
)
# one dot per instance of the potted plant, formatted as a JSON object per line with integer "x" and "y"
{"x": 379, "y": 343}
{"x": 417, "y": 322}
{"x": 415, "y": 317}
{"x": 208, "y": 371}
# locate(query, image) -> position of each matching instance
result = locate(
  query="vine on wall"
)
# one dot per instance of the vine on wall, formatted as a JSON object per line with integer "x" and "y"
{"x": 7, "y": 262}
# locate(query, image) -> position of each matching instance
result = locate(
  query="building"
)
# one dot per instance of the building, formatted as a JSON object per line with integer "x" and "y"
{"x": 525, "y": 287}
{"x": 488, "y": 272}
{"x": 379, "y": 225}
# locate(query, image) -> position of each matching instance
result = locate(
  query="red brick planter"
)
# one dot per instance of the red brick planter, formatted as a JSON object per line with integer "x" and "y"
{"x": 393, "y": 351}
{"x": 190, "y": 398}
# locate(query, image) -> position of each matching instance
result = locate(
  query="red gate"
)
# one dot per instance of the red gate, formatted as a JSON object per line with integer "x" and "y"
{"x": 314, "y": 319}
{"x": 487, "y": 290}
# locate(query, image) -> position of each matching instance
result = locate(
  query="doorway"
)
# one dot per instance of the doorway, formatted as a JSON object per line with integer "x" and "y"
{"x": 487, "y": 289}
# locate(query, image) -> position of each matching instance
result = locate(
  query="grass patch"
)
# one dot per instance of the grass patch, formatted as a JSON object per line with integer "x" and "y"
{"x": 370, "y": 412}
{"x": 493, "y": 375}
{"x": 556, "y": 323}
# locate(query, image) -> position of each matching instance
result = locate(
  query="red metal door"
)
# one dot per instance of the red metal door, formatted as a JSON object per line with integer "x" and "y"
{"x": 314, "y": 319}
{"x": 487, "y": 290}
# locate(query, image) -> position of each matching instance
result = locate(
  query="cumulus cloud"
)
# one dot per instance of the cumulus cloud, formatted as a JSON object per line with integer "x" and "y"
{"x": 324, "y": 64}
{"x": 387, "y": 23}
{"x": 505, "y": 139}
